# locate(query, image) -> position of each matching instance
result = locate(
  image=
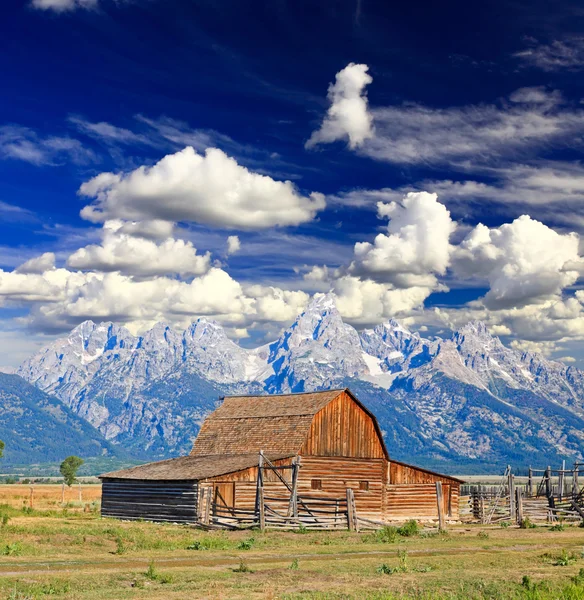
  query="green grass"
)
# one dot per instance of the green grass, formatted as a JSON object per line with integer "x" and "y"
{"x": 111, "y": 559}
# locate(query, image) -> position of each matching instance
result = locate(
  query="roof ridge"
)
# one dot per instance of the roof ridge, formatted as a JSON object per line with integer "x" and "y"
{"x": 280, "y": 395}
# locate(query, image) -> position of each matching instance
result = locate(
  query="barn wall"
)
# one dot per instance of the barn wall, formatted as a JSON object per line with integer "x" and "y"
{"x": 418, "y": 501}
{"x": 338, "y": 474}
{"x": 174, "y": 501}
{"x": 403, "y": 473}
{"x": 343, "y": 428}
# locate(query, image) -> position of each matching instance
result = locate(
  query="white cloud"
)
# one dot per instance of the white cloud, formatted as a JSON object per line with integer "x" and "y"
{"x": 211, "y": 189}
{"x": 479, "y": 134}
{"x": 39, "y": 264}
{"x": 63, "y": 5}
{"x": 139, "y": 256}
{"x": 524, "y": 261}
{"x": 347, "y": 116}
{"x": 416, "y": 246}
{"x": 462, "y": 136}
{"x": 233, "y": 245}
{"x": 108, "y": 133}
{"x": 558, "y": 55}
{"x": 22, "y": 143}
{"x": 366, "y": 302}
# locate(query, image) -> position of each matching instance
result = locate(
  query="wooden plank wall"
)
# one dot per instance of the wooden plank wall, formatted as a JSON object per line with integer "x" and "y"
{"x": 402, "y": 473}
{"x": 418, "y": 501}
{"x": 343, "y": 428}
{"x": 173, "y": 501}
{"x": 338, "y": 474}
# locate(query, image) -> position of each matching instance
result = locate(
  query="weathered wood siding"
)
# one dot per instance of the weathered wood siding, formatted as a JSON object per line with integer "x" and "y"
{"x": 338, "y": 474}
{"x": 418, "y": 501}
{"x": 174, "y": 501}
{"x": 343, "y": 428}
{"x": 402, "y": 473}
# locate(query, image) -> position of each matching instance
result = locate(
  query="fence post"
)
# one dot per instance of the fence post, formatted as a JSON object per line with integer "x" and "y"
{"x": 350, "y": 507}
{"x": 575, "y": 484}
{"x": 262, "y": 509}
{"x": 207, "y": 517}
{"x": 440, "y": 503}
{"x": 63, "y": 493}
{"x": 561, "y": 481}
{"x": 481, "y": 504}
{"x": 519, "y": 501}
{"x": 512, "y": 511}
{"x": 530, "y": 483}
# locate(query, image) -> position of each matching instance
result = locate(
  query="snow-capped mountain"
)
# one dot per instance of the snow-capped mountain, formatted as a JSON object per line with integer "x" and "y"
{"x": 466, "y": 398}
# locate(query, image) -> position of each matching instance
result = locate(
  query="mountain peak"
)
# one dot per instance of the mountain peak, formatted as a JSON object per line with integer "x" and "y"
{"x": 321, "y": 303}
{"x": 476, "y": 328}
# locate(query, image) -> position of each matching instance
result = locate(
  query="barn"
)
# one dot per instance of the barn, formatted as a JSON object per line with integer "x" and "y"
{"x": 313, "y": 458}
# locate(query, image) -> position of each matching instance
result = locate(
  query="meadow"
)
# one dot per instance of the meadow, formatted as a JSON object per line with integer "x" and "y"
{"x": 68, "y": 551}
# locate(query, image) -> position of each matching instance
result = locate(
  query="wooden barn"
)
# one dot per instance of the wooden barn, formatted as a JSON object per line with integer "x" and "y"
{"x": 282, "y": 460}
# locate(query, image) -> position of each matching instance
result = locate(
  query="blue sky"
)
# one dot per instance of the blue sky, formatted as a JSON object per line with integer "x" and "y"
{"x": 169, "y": 160}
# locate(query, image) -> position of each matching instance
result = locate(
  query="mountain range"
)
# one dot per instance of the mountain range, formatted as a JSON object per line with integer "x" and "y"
{"x": 467, "y": 403}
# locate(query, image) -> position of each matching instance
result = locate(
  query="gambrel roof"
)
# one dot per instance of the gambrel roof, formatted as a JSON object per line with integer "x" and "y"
{"x": 275, "y": 424}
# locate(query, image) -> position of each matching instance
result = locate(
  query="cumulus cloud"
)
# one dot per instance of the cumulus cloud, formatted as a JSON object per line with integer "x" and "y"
{"x": 233, "y": 245}
{"x": 211, "y": 189}
{"x": 416, "y": 246}
{"x": 39, "y": 264}
{"x": 366, "y": 302}
{"x": 558, "y": 55}
{"x": 139, "y": 256}
{"x": 348, "y": 116}
{"x": 61, "y": 298}
{"x": 524, "y": 261}
{"x": 63, "y": 5}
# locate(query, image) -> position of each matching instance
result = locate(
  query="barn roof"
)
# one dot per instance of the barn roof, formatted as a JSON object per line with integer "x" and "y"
{"x": 277, "y": 424}
{"x": 191, "y": 467}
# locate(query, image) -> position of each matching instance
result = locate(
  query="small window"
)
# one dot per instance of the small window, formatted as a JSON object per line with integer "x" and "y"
{"x": 364, "y": 485}
{"x": 316, "y": 484}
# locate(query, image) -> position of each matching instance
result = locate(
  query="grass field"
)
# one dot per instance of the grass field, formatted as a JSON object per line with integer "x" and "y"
{"x": 68, "y": 553}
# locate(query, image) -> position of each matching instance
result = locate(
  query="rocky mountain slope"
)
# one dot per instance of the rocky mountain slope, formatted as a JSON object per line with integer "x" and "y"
{"x": 37, "y": 427}
{"x": 464, "y": 400}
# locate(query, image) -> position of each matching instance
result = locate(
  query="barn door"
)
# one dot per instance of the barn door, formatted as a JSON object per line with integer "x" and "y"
{"x": 224, "y": 496}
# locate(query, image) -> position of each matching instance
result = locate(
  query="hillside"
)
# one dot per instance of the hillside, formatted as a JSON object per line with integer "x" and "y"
{"x": 38, "y": 428}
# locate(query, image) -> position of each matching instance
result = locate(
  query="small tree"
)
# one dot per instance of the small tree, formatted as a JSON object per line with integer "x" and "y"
{"x": 69, "y": 468}
{"x": 2, "y": 446}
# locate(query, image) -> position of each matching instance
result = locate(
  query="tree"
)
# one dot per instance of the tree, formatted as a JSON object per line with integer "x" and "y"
{"x": 2, "y": 446}
{"x": 69, "y": 468}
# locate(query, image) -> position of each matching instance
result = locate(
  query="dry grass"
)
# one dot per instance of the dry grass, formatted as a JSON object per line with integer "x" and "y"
{"x": 47, "y": 496}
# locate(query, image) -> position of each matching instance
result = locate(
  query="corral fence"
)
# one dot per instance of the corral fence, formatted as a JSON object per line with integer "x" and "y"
{"x": 548, "y": 495}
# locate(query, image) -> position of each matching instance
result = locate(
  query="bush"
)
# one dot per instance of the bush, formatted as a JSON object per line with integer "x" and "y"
{"x": 246, "y": 544}
{"x": 243, "y": 568}
{"x": 409, "y": 529}
{"x": 154, "y": 575}
{"x": 558, "y": 527}
{"x": 483, "y": 535}
{"x": 294, "y": 565}
{"x": 527, "y": 524}
{"x": 385, "y": 535}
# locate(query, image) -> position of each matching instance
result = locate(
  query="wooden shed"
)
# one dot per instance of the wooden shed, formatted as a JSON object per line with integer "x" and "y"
{"x": 276, "y": 459}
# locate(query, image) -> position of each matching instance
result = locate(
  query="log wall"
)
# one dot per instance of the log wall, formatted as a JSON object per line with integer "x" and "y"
{"x": 172, "y": 501}
{"x": 418, "y": 501}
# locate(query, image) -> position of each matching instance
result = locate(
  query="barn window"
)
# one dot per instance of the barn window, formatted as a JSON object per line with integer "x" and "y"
{"x": 316, "y": 484}
{"x": 364, "y": 485}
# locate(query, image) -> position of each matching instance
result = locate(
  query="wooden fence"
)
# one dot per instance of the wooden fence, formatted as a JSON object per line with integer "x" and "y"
{"x": 549, "y": 498}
